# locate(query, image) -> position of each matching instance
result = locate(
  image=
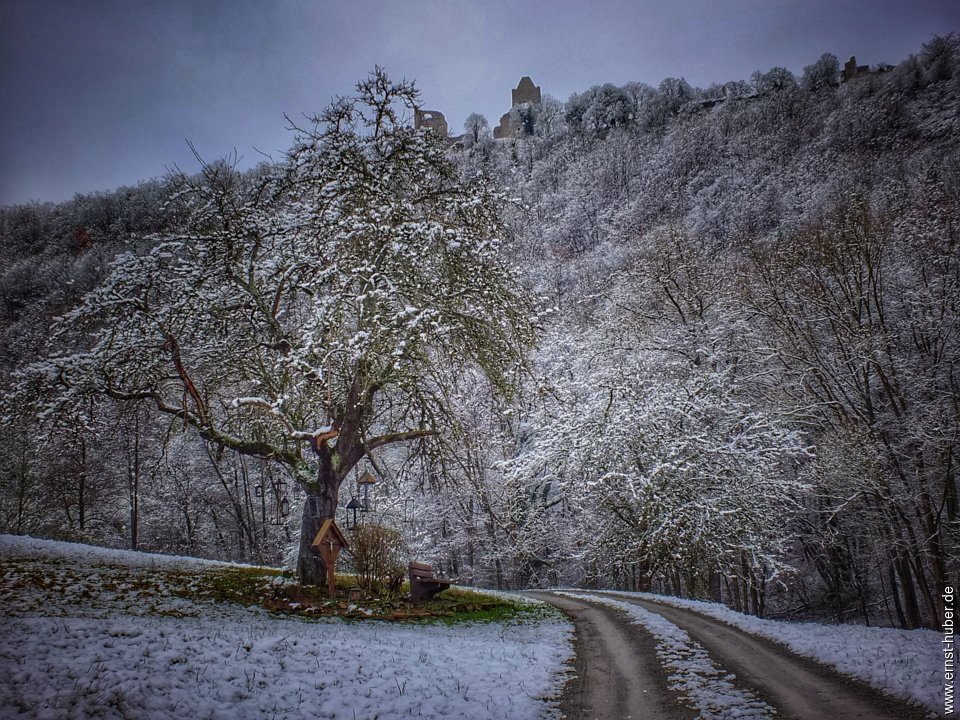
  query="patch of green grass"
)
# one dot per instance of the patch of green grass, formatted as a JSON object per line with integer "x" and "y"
{"x": 234, "y": 584}
{"x": 463, "y": 605}
{"x": 274, "y": 590}
{"x": 252, "y": 586}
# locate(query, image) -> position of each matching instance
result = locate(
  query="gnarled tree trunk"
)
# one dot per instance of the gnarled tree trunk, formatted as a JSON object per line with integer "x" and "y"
{"x": 321, "y": 494}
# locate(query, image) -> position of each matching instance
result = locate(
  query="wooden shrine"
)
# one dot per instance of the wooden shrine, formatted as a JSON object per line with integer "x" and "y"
{"x": 327, "y": 544}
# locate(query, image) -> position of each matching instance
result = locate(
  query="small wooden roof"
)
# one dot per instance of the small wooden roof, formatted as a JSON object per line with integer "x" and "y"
{"x": 329, "y": 526}
{"x": 366, "y": 479}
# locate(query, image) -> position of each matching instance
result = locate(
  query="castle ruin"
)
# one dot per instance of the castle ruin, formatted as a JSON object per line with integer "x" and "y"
{"x": 525, "y": 96}
{"x": 526, "y": 93}
{"x": 432, "y": 120}
{"x": 852, "y": 71}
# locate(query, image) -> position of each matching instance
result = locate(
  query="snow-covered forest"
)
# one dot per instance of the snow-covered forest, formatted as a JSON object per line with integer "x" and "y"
{"x": 699, "y": 341}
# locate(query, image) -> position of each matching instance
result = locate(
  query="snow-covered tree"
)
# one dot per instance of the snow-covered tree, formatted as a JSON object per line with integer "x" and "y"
{"x": 860, "y": 307}
{"x": 313, "y": 313}
{"x": 476, "y": 127}
{"x": 652, "y": 434}
{"x": 821, "y": 75}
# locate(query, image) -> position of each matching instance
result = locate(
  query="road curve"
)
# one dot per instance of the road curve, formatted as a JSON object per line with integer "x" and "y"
{"x": 797, "y": 687}
{"x": 618, "y": 676}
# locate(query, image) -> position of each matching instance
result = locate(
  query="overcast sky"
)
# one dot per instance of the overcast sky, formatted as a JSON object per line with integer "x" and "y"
{"x": 95, "y": 94}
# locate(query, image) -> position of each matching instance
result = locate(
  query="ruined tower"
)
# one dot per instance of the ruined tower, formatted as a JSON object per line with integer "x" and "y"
{"x": 526, "y": 93}
{"x": 851, "y": 70}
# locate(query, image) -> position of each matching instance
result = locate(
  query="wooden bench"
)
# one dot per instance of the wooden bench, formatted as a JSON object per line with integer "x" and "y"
{"x": 424, "y": 584}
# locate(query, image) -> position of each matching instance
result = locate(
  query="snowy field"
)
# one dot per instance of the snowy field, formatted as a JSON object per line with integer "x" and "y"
{"x": 906, "y": 664}
{"x": 110, "y": 649}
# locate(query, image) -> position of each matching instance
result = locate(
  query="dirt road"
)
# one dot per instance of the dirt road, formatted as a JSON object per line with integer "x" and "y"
{"x": 618, "y": 675}
{"x": 617, "y": 672}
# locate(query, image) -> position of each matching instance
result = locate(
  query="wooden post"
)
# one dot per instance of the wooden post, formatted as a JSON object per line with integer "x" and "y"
{"x": 330, "y": 552}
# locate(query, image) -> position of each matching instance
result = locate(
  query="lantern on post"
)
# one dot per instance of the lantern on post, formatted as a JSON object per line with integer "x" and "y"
{"x": 327, "y": 544}
{"x": 353, "y": 505}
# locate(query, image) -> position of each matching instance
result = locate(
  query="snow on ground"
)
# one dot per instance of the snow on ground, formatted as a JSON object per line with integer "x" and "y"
{"x": 906, "y": 664}
{"x": 110, "y": 654}
{"x": 694, "y": 676}
{"x": 28, "y": 547}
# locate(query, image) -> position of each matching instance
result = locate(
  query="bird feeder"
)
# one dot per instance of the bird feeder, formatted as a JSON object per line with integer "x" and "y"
{"x": 366, "y": 480}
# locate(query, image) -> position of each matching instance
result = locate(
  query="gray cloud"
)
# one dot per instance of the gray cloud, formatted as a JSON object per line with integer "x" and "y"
{"x": 101, "y": 93}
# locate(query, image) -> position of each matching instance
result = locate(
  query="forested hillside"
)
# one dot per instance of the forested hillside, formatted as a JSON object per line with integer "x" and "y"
{"x": 744, "y": 383}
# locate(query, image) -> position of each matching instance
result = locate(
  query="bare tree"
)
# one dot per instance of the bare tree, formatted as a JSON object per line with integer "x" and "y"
{"x": 476, "y": 126}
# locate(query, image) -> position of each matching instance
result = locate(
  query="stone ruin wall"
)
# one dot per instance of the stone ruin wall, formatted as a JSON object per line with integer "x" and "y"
{"x": 525, "y": 93}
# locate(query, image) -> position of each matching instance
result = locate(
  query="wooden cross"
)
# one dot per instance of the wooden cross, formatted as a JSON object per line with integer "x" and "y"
{"x": 327, "y": 544}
